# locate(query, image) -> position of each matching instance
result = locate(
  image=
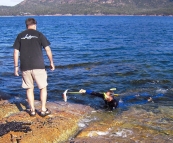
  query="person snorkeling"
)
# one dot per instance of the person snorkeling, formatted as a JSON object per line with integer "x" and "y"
{"x": 108, "y": 97}
{"x": 122, "y": 102}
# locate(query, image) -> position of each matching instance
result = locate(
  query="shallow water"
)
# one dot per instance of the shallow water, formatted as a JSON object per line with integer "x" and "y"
{"x": 139, "y": 124}
{"x": 131, "y": 53}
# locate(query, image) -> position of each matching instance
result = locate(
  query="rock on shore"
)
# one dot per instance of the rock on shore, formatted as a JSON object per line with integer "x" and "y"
{"x": 16, "y": 126}
{"x": 75, "y": 123}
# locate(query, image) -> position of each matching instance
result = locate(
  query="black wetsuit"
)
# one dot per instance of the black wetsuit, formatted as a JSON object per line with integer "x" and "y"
{"x": 111, "y": 104}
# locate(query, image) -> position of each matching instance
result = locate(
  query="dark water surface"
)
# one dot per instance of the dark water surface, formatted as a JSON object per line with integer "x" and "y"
{"x": 131, "y": 53}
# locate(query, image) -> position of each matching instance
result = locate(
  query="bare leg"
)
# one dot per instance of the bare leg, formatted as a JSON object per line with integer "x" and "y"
{"x": 43, "y": 98}
{"x": 30, "y": 96}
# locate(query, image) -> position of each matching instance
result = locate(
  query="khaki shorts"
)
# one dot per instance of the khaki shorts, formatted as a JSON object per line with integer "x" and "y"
{"x": 37, "y": 75}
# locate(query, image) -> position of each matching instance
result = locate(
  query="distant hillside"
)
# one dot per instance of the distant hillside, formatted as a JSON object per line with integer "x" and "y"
{"x": 90, "y": 7}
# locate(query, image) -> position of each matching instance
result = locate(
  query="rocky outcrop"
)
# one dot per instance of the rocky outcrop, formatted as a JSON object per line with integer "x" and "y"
{"x": 16, "y": 126}
{"x": 75, "y": 123}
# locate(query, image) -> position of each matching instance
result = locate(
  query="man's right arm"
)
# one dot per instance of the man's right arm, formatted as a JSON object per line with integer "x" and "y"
{"x": 16, "y": 66}
{"x": 90, "y": 92}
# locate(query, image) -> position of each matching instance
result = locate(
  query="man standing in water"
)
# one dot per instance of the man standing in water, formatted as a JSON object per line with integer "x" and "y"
{"x": 30, "y": 43}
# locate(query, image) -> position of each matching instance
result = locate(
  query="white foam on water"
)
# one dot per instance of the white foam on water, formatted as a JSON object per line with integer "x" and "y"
{"x": 84, "y": 122}
{"x": 123, "y": 133}
{"x": 161, "y": 91}
{"x": 93, "y": 111}
{"x": 81, "y": 125}
{"x": 17, "y": 97}
{"x": 94, "y": 133}
{"x": 121, "y": 101}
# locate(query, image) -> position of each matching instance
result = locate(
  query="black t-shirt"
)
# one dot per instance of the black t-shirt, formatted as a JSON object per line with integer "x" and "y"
{"x": 30, "y": 43}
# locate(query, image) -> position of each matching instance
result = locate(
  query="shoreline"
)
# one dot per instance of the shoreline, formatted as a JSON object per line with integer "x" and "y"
{"x": 75, "y": 15}
{"x": 79, "y": 123}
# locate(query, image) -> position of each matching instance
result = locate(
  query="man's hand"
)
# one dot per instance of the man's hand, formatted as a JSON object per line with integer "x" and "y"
{"x": 16, "y": 71}
{"x": 52, "y": 66}
{"x": 82, "y": 91}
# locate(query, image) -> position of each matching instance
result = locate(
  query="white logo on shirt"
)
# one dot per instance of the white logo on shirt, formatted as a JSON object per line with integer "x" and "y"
{"x": 29, "y": 37}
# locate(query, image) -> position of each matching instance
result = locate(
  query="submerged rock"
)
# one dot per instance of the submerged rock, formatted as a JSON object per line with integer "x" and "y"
{"x": 138, "y": 124}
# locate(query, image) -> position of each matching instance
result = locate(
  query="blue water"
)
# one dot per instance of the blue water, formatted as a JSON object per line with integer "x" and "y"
{"x": 132, "y": 53}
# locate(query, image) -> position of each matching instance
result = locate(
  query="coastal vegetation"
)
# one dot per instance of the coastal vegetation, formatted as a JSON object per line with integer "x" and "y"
{"x": 89, "y": 7}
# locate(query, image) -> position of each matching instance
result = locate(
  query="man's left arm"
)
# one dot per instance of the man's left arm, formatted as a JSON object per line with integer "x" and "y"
{"x": 16, "y": 66}
{"x": 49, "y": 54}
